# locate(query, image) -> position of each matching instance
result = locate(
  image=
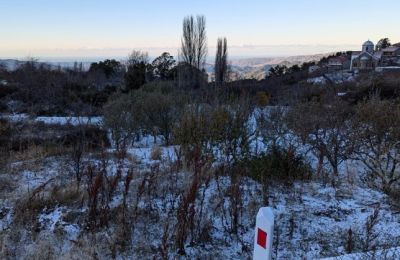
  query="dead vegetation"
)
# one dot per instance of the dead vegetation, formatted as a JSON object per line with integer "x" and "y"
{"x": 109, "y": 203}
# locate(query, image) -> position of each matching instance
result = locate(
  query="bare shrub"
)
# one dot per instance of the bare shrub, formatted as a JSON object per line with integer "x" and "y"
{"x": 236, "y": 203}
{"x": 122, "y": 116}
{"x": 192, "y": 131}
{"x": 349, "y": 246}
{"x": 272, "y": 123}
{"x": 28, "y": 207}
{"x": 161, "y": 111}
{"x": 229, "y": 130}
{"x": 147, "y": 111}
{"x": 97, "y": 204}
{"x": 82, "y": 139}
{"x": 219, "y": 131}
{"x": 189, "y": 214}
{"x": 185, "y": 214}
{"x": 370, "y": 234}
{"x": 164, "y": 248}
{"x": 326, "y": 129}
{"x": 377, "y": 132}
{"x": 102, "y": 185}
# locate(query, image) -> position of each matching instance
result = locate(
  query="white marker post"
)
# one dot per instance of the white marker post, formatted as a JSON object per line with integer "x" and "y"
{"x": 264, "y": 234}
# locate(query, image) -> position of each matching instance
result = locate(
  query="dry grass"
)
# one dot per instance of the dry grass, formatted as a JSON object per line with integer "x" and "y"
{"x": 44, "y": 248}
{"x": 67, "y": 195}
{"x": 7, "y": 184}
{"x": 31, "y": 204}
{"x": 156, "y": 153}
{"x": 132, "y": 158}
{"x": 37, "y": 152}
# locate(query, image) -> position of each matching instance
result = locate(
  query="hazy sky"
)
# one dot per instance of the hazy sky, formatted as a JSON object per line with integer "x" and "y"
{"x": 87, "y": 28}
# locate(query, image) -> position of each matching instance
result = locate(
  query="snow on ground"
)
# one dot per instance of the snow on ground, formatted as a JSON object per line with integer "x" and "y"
{"x": 312, "y": 218}
{"x": 15, "y": 117}
{"x": 52, "y": 219}
{"x": 59, "y": 120}
{"x": 70, "y": 120}
{"x": 391, "y": 253}
{"x": 317, "y": 81}
{"x": 144, "y": 154}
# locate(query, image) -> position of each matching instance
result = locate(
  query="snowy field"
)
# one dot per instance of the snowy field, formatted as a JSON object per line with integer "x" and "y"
{"x": 313, "y": 219}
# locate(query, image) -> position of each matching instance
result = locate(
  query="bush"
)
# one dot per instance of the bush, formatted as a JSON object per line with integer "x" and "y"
{"x": 278, "y": 165}
{"x": 377, "y": 133}
{"x": 31, "y": 204}
{"x": 5, "y": 133}
{"x": 218, "y": 130}
{"x": 150, "y": 110}
{"x": 263, "y": 98}
{"x": 122, "y": 117}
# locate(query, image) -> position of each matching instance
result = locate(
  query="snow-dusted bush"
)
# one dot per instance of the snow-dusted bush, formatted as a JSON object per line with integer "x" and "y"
{"x": 220, "y": 131}
{"x": 278, "y": 165}
{"x": 148, "y": 111}
{"x": 326, "y": 128}
{"x": 377, "y": 131}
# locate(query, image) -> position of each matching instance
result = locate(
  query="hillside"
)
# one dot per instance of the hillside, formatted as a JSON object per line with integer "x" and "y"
{"x": 257, "y": 68}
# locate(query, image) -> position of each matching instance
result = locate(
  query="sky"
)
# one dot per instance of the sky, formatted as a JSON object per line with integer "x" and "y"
{"x": 254, "y": 28}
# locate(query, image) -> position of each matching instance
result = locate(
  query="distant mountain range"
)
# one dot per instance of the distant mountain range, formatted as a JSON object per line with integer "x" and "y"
{"x": 241, "y": 68}
{"x": 258, "y": 68}
{"x": 12, "y": 64}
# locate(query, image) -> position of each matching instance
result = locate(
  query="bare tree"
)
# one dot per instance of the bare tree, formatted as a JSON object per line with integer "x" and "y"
{"x": 221, "y": 59}
{"x": 201, "y": 42}
{"x": 193, "y": 53}
{"x": 325, "y": 128}
{"x": 194, "y": 41}
{"x": 377, "y": 130}
{"x": 137, "y": 70}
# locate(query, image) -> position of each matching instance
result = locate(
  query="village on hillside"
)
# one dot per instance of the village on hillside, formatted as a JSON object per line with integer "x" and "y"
{"x": 345, "y": 66}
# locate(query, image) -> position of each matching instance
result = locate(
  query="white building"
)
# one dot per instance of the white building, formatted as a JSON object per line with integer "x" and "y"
{"x": 369, "y": 59}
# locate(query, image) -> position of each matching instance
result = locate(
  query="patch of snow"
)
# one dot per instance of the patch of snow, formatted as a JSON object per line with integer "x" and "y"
{"x": 51, "y": 218}
{"x": 6, "y": 216}
{"x": 72, "y": 231}
{"x": 317, "y": 81}
{"x": 391, "y": 253}
{"x": 15, "y": 117}
{"x": 70, "y": 120}
{"x": 59, "y": 120}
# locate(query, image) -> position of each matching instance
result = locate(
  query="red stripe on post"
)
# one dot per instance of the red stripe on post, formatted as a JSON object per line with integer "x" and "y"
{"x": 262, "y": 238}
